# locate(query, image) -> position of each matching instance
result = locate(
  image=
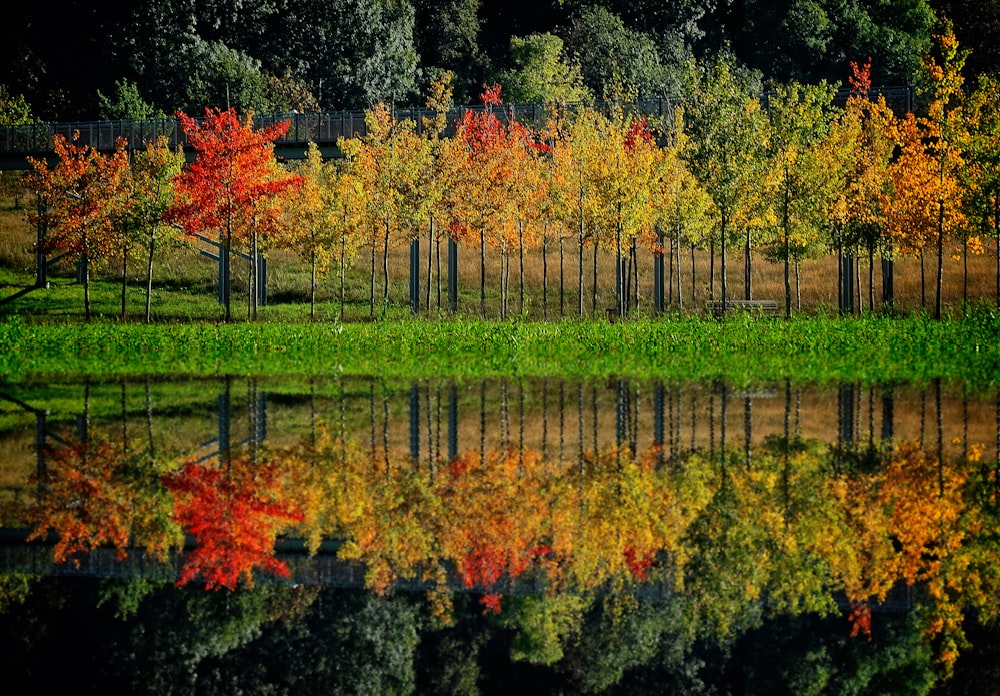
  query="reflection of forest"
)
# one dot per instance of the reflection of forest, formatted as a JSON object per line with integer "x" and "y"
{"x": 539, "y": 499}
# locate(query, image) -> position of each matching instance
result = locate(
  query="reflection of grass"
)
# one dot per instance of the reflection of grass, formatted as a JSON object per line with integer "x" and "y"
{"x": 742, "y": 351}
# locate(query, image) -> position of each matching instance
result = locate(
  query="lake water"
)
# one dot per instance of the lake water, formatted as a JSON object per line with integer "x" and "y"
{"x": 362, "y": 536}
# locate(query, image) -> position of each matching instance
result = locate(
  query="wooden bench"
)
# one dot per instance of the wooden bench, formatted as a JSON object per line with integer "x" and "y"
{"x": 767, "y": 308}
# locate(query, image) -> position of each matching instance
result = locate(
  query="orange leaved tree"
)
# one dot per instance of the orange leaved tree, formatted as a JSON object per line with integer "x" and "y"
{"x": 78, "y": 195}
{"x": 231, "y": 187}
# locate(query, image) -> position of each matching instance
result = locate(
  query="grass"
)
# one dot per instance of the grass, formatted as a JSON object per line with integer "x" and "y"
{"x": 42, "y": 332}
{"x": 742, "y": 351}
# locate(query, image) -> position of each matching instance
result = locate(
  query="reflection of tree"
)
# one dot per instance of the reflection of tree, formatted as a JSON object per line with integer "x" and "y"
{"x": 96, "y": 492}
{"x": 234, "y": 510}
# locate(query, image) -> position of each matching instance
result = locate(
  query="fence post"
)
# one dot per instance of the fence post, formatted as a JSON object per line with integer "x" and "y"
{"x": 452, "y": 276}
{"x": 415, "y": 276}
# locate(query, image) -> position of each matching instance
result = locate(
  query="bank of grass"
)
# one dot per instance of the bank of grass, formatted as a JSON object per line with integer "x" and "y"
{"x": 741, "y": 350}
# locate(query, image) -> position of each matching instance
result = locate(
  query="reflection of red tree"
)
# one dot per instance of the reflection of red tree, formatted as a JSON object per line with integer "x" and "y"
{"x": 234, "y": 513}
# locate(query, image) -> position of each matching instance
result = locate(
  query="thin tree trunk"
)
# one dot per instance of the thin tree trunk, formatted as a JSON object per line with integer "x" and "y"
{"x": 580, "y": 269}
{"x": 371, "y": 293}
{"x": 593, "y": 295}
{"x": 85, "y": 258}
{"x": 923, "y": 283}
{"x": 965, "y": 275}
{"x": 788, "y": 283}
{"x": 343, "y": 270}
{"x": 430, "y": 262}
{"x": 520, "y": 252}
{"x": 482, "y": 272}
{"x": 798, "y": 287}
{"x": 124, "y": 277}
{"x": 149, "y": 272}
{"x": 747, "y": 266}
{"x": 545, "y": 277}
{"x": 694, "y": 285}
{"x": 385, "y": 269}
{"x": 940, "y": 271}
{"x": 722, "y": 270}
{"x": 312, "y": 285}
{"x": 711, "y": 270}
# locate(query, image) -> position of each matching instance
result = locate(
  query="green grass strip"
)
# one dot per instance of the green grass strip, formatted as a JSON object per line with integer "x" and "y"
{"x": 742, "y": 351}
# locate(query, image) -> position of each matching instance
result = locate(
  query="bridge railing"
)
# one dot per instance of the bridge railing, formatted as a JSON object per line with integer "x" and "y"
{"x": 321, "y": 128}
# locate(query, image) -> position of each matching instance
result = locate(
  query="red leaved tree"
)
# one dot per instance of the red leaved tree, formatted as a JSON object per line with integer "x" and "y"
{"x": 232, "y": 188}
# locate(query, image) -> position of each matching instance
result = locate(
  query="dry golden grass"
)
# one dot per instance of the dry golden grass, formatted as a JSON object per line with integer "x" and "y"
{"x": 180, "y": 265}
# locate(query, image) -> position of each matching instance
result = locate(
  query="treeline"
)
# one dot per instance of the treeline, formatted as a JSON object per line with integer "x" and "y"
{"x": 789, "y": 176}
{"x": 76, "y": 60}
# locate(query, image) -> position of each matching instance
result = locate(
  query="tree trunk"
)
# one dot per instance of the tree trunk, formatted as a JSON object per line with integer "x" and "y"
{"x": 871, "y": 279}
{"x": 747, "y": 261}
{"x": 923, "y": 283}
{"x": 312, "y": 285}
{"x": 722, "y": 270}
{"x": 545, "y": 277}
{"x": 430, "y": 262}
{"x": 482, "y": 272}
{"x": 788, "y": 281}
{"x": 593, "y": 295}
{"x": 711, "y": 270}
{"x": 86, "y": 275}
{"x": 343, "y": 270}
{"x": 149, "y": 272}
{"x": 580, "y": 269}
{"x": 520, "y": 252}
{"x": 124, "y": 277}
{"x": 385, "y": 269}
{"x": 694, "y": 285}
{"x": 371, "y": 288}
{"x": 798, "y": 287}
{"x": 940, "y": 272}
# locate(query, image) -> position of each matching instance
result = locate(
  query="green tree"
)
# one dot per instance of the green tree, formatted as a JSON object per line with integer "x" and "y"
{"x": 728, "y": 141}
{"x": 611, "y": 54}
{"x": 541, "y": 73}
{"x": 799, "y": 116}
{"x": 126, "y": 104}
{"x": 981, "y": 176}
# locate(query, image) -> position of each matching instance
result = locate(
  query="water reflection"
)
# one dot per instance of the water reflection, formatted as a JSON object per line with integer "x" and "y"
{"x": 537, "y": 500}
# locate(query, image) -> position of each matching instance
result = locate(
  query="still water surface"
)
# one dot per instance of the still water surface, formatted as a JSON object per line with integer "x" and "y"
{"x": 359, "y": 536}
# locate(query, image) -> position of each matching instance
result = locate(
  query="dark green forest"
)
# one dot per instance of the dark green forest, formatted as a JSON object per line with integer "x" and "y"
{"x": 92, "y": 59}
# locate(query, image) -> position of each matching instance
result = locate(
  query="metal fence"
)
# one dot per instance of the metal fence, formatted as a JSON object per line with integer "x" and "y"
{"x": 17, "y": 142}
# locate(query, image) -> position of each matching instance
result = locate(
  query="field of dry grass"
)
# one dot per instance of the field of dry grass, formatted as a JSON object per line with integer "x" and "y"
{"x": 181, "y": 266}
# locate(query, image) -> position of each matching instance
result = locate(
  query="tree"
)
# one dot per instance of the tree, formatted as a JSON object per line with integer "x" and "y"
{"x": 391, "y": 162}
{"x": 126, "y": 104}
{"x": 76, "y": 202}
{"x": 541, "y": 73}
{"x": 145, "y": 198}
{"x": 981, "y": 175}
{"x": 611, "y": 54}
{"x": 623, "y": 180}
{"x": 312, "y": 213}
{"x": 228, "y": 186}
{"x": 728, "y": 139}
{"x": 798, "y": 120}
{"x": 942, "y": 81}
{"x": 862, "y": 143}
{"x": 684, "y": 209}
{"x": 480, "y": 164}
